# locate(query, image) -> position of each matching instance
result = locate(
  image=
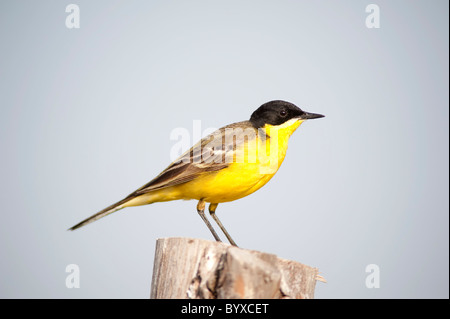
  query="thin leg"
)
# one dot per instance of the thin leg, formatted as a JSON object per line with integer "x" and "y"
{"x": 201, "y": 212}
{"x": 212, "y": 212}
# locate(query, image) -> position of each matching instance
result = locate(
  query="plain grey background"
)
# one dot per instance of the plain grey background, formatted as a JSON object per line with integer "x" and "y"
{"x": 86, "y": 116}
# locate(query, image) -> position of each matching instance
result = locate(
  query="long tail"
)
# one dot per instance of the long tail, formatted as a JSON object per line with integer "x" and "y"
{"x": 108, "y": 210}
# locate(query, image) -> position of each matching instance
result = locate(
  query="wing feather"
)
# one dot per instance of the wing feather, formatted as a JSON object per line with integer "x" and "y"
{"x": 213, "y": 153}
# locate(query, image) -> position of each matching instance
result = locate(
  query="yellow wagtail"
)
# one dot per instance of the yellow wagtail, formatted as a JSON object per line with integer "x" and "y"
{"x": 229, "y": 164}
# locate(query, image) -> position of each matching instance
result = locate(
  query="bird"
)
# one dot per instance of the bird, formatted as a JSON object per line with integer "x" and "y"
{"x": 230, "y": 163}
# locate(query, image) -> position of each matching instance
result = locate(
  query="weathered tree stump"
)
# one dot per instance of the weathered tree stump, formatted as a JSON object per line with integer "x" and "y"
{"x": 202, "y": 269}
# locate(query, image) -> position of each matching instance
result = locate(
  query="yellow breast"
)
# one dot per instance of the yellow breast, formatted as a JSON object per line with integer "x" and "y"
{"x": 243, "y": 177}
{"x": 260, "y": 160}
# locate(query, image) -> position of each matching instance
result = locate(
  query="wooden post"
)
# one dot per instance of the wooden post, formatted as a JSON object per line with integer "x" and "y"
{"x": 202, "y": 269}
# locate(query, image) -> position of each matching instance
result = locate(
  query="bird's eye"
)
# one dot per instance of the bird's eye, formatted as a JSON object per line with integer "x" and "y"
{"x": 283, "y": 113}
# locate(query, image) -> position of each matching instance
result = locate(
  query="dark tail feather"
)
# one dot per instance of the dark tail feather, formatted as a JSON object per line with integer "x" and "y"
{"x": 108, "y": 210}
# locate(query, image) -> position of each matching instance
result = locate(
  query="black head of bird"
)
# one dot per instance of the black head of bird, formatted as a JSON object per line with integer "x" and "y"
{"x": 278, "y": 112}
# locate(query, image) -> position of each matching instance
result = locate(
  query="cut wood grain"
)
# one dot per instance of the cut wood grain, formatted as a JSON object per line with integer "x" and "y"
{"x": 202, "y": 269}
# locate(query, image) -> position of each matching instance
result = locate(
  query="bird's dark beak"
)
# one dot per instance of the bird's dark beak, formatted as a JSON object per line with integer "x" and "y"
{"x": 310, "y": 116}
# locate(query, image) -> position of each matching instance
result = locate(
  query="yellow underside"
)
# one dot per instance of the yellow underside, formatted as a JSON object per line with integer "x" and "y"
{"x": 238, "y": 179}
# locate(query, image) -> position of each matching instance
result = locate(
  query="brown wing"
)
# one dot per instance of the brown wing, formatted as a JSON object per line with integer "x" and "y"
{"x": 213, "y": 153}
